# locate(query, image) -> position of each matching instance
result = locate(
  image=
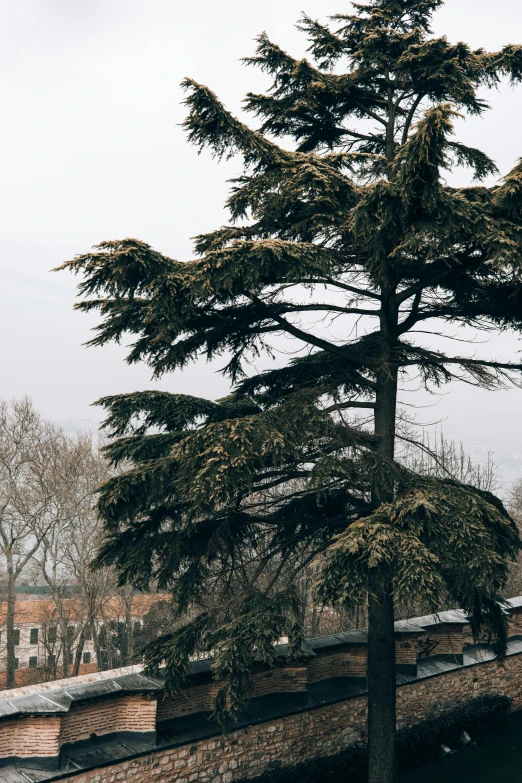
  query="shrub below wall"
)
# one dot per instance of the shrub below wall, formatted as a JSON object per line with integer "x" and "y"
{"x": 483, "y": 717}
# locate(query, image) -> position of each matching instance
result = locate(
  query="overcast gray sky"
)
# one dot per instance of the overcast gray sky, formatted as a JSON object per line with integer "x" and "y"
{"x": 91, "y": 150}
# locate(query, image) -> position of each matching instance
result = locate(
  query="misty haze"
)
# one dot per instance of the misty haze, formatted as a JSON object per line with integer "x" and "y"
{"x": 260, "y": 429}
{"x": 92, "y": 150}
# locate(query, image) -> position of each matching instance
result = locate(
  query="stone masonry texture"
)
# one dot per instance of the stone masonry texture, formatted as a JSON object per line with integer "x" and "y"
{"x": 316, "y": 732}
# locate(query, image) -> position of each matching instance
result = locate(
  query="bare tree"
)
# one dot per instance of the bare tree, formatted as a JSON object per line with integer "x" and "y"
{"x": 82, "y": 539}
{"x": 71, "y": 544}
{"x": 27, "y": 448}
{"x": 514, "y": 585}
{"x": 50, "y": 531}
{"x": 515, "y": 502}
{"x": 441, "y": 457}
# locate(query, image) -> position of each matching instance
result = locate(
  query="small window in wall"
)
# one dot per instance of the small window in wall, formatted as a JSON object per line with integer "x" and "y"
{"x": 33, "y": 636}
{"x": 137, "y": 626}
{"x": 17, "y": 636}
{"x": 71, "y": 659}
{"x": 87, "y": 634}
{"x": 17, "y": 662}
{"x": 51, "y": 634}
{"x": 33, "y": 662}
{"x": 70, "y": 632}
{"x": 87, "y": 657}
{"x": 51, "y": 659}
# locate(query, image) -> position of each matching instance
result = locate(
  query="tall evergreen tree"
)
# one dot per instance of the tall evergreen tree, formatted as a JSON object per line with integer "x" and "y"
{"x": 351, "y": 219}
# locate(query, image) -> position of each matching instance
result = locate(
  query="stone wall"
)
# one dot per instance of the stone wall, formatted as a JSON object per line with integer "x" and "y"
{"x": 320, "y": 698}
{"x": 516, "y": 621}
{"x": 320, "y": 731}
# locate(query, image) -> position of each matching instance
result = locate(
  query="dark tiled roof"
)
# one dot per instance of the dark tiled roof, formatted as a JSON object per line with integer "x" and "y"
{"x": 450, "y": 617}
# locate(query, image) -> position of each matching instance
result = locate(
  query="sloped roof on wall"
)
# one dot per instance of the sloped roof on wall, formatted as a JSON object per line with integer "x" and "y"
{"x": 57, "y": 697}
{"x": 60, "y": 699}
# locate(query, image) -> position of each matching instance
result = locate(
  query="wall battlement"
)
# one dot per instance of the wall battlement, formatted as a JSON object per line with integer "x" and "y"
{"x": 121, "y": 723}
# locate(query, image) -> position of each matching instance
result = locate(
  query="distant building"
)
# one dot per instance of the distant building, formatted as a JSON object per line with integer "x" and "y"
{"x": 45, "y": 634}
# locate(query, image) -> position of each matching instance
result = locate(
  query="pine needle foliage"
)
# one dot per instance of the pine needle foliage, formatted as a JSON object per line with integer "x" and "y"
{"x": 351, "y": 221}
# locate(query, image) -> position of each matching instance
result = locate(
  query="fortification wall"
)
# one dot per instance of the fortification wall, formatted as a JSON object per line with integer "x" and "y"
{"x": 316, "y": 732}
{"x": 300, "y": 709}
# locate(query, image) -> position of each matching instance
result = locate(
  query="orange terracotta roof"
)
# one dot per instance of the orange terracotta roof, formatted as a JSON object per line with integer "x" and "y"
{"x": 45, "y": 610}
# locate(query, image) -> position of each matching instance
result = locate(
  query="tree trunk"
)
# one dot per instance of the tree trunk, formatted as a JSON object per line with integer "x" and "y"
{"x": 382, "y": 766}
{"x": 10, "y": 629}
{"x": 129, "y": 631}
{"x": 382, "y": 762}
{"x": 66, "y": 656}
{"x": 66, "y": 646}
{"x": 78, "y": 654}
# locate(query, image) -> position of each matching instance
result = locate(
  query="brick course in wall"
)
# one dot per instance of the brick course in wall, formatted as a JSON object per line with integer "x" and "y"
{"x": 199, "y": 696}
{"x": 284, "y": 679}
{"x": 349, "y": 662}
{"x": 408, "y": 647}
{"x": 31, "y": 736}
{"x": 196, "y": 698}
{"x": 320, "y": 731}
{"x": 449, "y": 639}
{"x": 127, "y": 713}
{"x": 352, "y": 660}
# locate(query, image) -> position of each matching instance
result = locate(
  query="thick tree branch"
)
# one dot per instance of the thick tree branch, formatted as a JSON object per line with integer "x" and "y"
{"x": 334, "y": 308}
{"x": 364, "y": 137}
{"x": 351, "y": 288}
{"x": 349, "y": 404}
{"x": 299, "y": 333}
{"x": 371, "y": 113}
{"x": 438, "y": 358}
{"x": 409, "y": 118}
{"x": 412, "y": 318}
{"x": 427, "y": 282}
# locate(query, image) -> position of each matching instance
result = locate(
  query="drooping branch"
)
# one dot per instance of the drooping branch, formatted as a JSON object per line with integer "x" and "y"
{"x": 412, "y": 317}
